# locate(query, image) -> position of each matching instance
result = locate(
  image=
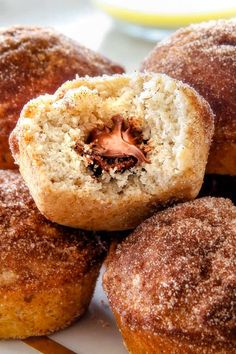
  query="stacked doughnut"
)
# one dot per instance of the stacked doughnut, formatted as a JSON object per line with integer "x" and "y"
{"x": 114, "y": 148}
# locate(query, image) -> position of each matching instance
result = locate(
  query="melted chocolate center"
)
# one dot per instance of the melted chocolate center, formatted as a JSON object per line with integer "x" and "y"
{"x": 112, "y": 148}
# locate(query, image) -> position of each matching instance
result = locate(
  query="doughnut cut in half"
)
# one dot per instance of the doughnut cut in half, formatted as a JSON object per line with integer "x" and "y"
{"x": 104, "y": 153}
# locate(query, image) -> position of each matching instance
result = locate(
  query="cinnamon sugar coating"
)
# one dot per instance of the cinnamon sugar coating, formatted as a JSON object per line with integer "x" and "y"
{"x": 204, "y": 56}
{"x": 35, "y": 253}
{"x": 176, "y": 274}
{"x": 36, "y": 61}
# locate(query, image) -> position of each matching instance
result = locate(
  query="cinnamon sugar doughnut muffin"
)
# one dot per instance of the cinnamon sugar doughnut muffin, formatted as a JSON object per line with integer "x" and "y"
{"x": 35, "y": 61}
{"x": 204, "y": 56}
{"x": 103, "y": 153}
{"x": 47, "y": 272}
{"x": 172, "y": 283}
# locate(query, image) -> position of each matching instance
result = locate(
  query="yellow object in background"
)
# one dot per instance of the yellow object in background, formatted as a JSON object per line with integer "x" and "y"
{"x": 167, "y": 14}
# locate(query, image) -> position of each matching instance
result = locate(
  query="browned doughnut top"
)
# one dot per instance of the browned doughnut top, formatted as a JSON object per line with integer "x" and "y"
{"x": 35, "y": 61}
{"x": 34, "y": 253}
{"x": 176, "y": 273}
{"x": 204, "y": 56}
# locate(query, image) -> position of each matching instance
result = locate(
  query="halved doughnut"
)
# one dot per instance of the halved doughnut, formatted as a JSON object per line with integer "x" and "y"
{"x": 106, "y": 152}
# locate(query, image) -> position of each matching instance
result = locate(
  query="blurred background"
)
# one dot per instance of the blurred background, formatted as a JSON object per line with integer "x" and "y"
{"x": 123, "y": 30}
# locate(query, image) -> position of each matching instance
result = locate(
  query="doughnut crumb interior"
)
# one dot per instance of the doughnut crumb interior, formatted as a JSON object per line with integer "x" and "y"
{"x": 114, "y": 148}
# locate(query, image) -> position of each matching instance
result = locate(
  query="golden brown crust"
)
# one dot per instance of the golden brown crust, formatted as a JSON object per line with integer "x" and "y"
{"x": 35, "y": 61}
{"x": 26, "y": 312}
{"x": 204, "y": 56}
{"x": 47, "y": 272}
{"x": 175, "y": 275}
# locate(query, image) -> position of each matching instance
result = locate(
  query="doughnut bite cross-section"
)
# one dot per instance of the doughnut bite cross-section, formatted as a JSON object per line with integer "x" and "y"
{"x": 47, "y": 272}
{"x": 104, "y": 153}
{"x": 33, "y": 61}
{"x": 172, "y": 283}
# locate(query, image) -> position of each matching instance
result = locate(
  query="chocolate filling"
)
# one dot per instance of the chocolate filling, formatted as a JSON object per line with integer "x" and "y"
{"x": 119, "y": 147}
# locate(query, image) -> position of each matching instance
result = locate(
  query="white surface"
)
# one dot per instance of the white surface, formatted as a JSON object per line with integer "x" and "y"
{"x": 96, "y": 332}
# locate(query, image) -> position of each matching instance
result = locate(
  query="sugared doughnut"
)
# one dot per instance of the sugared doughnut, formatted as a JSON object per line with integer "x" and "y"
{"x": 35, "y": 61}
{"x": 47, "y": 272}
{"x": 172, "y": 283}
{"x": 204, "y": 56}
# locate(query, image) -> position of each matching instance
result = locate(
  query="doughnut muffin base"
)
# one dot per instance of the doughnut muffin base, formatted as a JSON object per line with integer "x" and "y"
{"x": 26, "y": 312}
{"x": 138, "y": 342}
